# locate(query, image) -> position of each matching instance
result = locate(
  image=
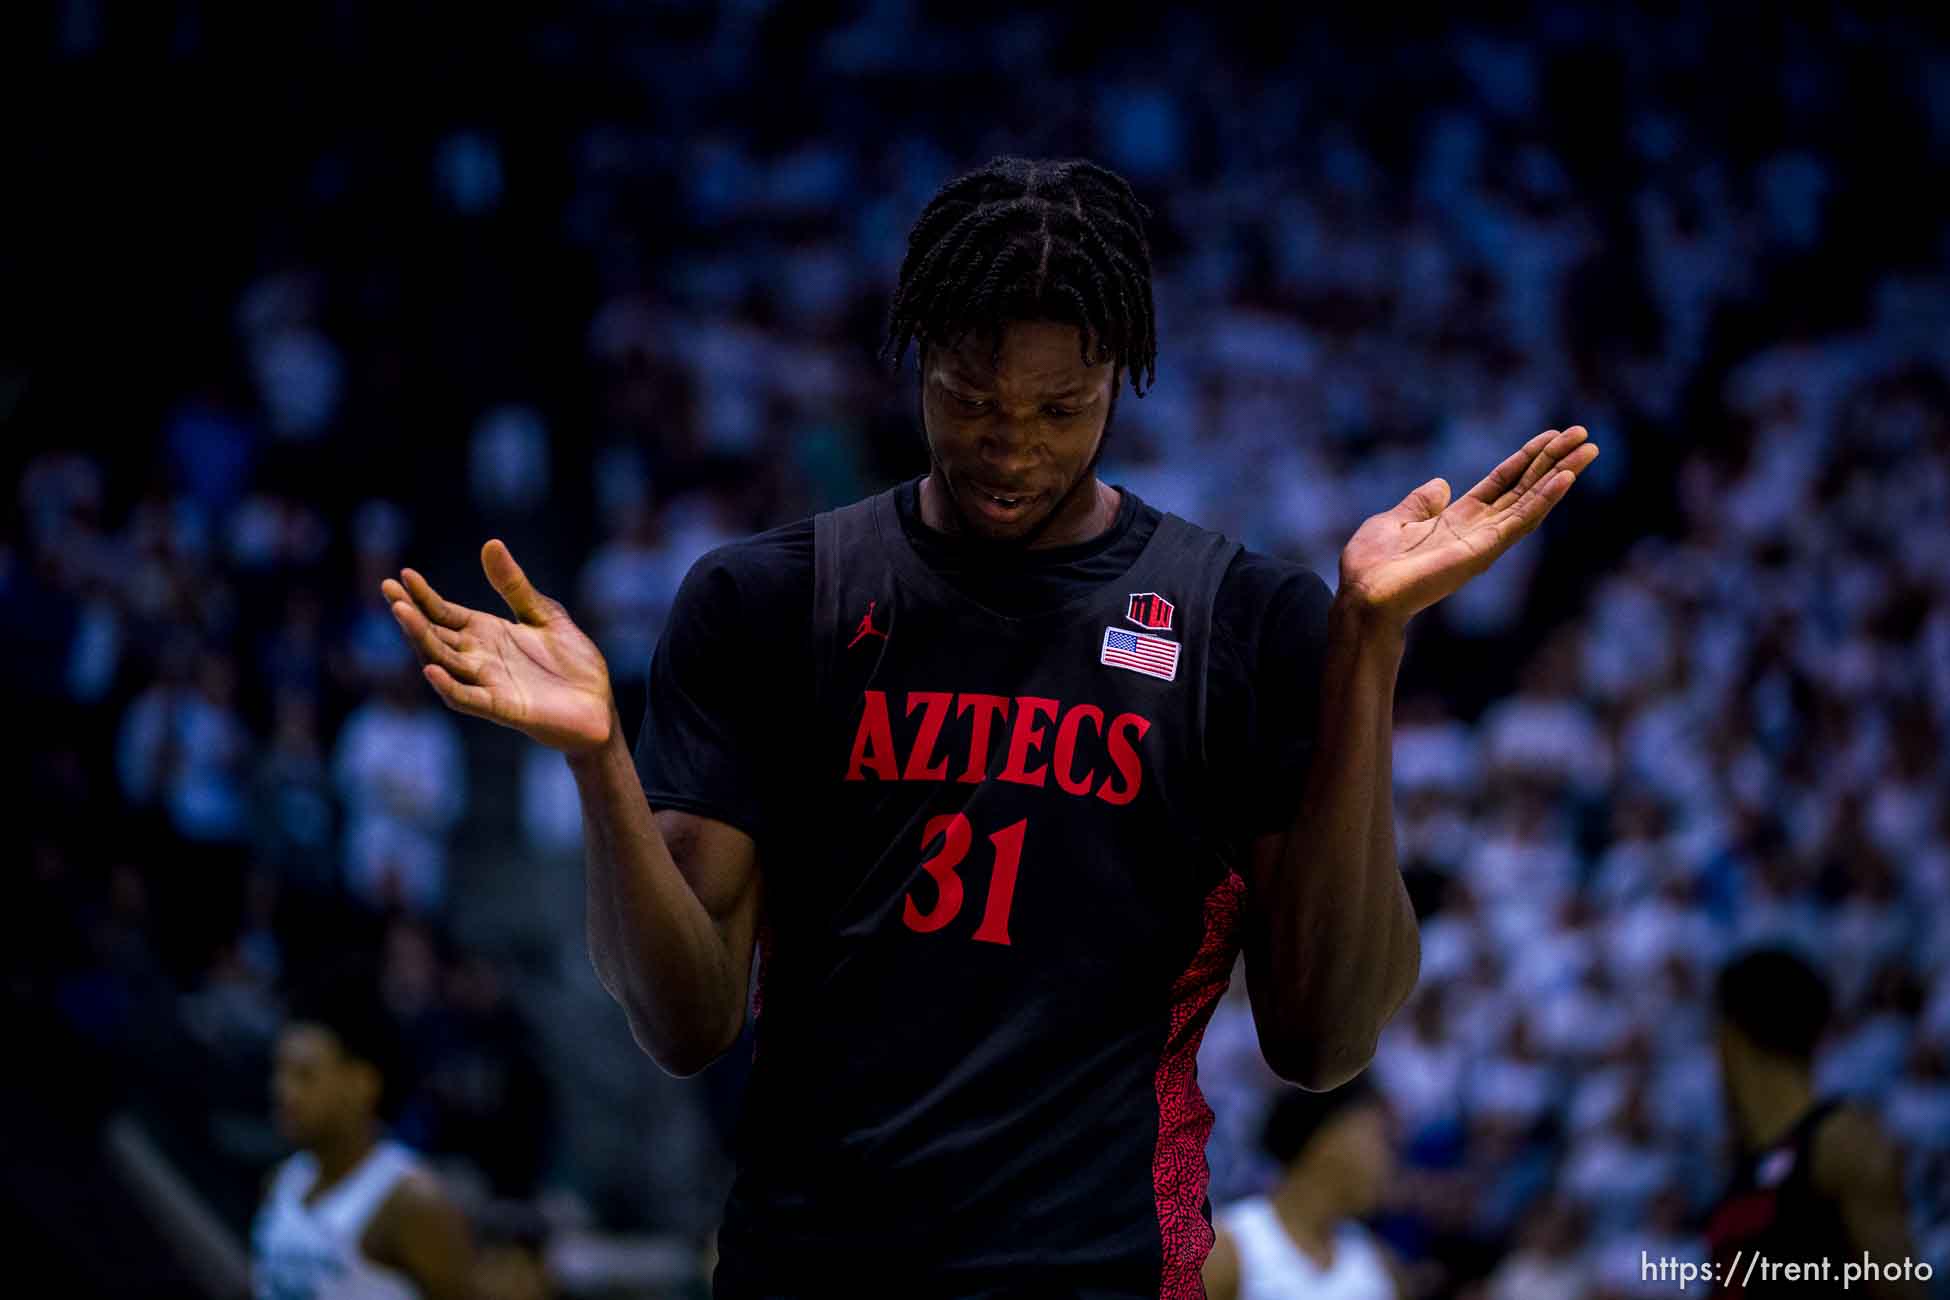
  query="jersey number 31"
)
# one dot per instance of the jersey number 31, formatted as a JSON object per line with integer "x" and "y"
{"x": 948, "y": 887}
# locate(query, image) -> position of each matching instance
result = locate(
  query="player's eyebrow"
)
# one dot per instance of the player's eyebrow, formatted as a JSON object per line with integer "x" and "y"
{"x": 969, "y": 379}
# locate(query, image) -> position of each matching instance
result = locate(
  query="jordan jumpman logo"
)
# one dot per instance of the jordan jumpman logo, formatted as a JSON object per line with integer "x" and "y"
{"x": 866, "y": 627}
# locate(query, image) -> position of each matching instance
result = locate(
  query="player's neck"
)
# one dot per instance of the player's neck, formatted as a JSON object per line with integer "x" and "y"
{"x": 341, "y": 1154}
{"x": 1310, "y": 1214}
{"x": 1772, "y": 1097}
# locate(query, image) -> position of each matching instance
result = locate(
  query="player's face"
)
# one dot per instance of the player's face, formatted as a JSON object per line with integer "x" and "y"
{"x": 1356, "y": 1147}
{"x": 316, "y": 1090}
{"x": 1023, "y": 426}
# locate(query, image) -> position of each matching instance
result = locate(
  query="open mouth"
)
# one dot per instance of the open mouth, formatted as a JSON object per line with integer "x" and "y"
{"x": 1000, "y": 504}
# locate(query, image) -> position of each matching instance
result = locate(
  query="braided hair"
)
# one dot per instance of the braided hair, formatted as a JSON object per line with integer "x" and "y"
{"x": 1030, "y": 239}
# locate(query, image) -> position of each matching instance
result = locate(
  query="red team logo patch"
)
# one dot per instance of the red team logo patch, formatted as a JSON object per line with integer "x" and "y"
{"x": 1149, "y": 609}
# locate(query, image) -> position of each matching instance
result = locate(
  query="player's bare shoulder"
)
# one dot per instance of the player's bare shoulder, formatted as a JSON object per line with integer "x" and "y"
{"x": 1221, "y": 1268}
{"x": 421, "y": 1230}
{"x": 1852, "y": 1153}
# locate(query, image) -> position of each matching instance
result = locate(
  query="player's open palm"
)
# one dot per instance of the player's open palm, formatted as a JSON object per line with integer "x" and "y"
{"x": 1403, "y": 560}
{"x": 537, "y": 672}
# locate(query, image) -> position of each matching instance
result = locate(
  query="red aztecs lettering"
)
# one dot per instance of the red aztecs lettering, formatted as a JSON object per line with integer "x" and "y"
{"x": 918, "y": 768}
{"x": 1124, "y": 754}
{"x": 876, "y": 734}
{"x": 1027, "y": 736}
{"x": 1066, "y": 748}
{"x": 986, "y": 709}
{"x": 1088, "y": 754}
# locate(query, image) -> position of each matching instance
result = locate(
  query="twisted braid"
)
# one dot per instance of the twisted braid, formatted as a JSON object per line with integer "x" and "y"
{"x": 1031, "y": 239}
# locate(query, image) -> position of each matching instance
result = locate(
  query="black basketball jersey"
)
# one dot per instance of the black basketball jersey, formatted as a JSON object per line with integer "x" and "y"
{"x": 1772, "y": 1211}
{"x": 984, "y": 976}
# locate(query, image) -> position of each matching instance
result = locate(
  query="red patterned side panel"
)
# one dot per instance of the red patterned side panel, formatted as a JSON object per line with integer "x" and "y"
{"x": 766, "y": 942}
{"x": 1178, "y": 1171}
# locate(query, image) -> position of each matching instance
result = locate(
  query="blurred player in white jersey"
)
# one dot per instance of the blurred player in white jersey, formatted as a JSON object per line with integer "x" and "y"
{"x": 352, "y": 1215}
{"x": 1303, "y": 1241}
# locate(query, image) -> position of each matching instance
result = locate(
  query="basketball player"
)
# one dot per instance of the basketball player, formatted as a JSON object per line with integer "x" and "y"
{"x": 1303, "y": 1242}
{"x": 1817, "y": 1179}
{"x": 352, "y": 1215}
{"x": 997, "y": 770}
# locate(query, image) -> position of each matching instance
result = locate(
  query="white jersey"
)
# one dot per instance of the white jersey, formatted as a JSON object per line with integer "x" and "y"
{"x": 311, "y": 1252}
{"x": 1272, "y": 1267}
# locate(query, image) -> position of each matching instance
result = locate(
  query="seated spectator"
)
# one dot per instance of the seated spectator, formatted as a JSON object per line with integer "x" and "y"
{"x": 400, "y": 768}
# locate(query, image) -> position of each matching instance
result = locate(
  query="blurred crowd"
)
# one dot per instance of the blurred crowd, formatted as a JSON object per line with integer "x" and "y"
{"x": 603, "y": 298}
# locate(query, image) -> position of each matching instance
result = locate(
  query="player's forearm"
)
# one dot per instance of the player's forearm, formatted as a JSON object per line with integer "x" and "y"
{"x": 652, "y": 942}
{"x": 1343, "y": 943}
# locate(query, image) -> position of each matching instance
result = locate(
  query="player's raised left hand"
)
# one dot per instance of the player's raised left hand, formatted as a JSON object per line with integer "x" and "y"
{"x": 1403, "y": 560}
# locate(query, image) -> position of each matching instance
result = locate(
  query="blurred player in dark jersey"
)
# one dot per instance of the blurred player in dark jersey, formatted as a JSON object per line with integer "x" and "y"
{"x": 1817, "y": 1179}
{"x": 997, "y": 771}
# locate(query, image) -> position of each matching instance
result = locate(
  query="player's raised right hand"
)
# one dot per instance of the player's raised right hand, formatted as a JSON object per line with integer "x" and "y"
{"x": 538, "y": 672}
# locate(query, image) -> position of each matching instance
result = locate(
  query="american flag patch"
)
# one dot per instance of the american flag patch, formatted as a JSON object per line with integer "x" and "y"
{"x": 1153, "y": 656}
